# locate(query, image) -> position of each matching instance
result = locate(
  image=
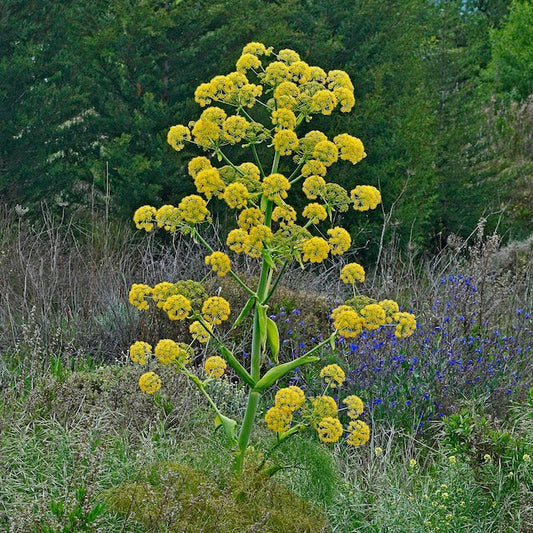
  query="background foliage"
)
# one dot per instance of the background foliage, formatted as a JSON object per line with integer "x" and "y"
{"x": 444, "y": 107}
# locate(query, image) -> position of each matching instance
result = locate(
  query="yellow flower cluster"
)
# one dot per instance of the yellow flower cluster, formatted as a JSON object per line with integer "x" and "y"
{"x": 329, "y": 429}
{"x": 374, "y": 316}
{"x": 144, "y": 217}
{"x": 351, "y": 148}
{"x": 169, "y": 352}
{"x": 177, "y": 135}
{"x": 199, "y": 333}
{"x": 177, "y": 307}
{"x": 355, "y": 406}
{"x": 333, "y": 375}
{"x": 215, "y": 310}
{"x": 215, "y": 366}
{"x": 347, "y": 321}
{"x": 278, "y": 419}
{"x": 358, "y": 433}
{"x": 323, "y": 406}
{"x": 363, "y": 312}
{"x": 315, "y": 249}
{"x": 236, "y": 195}
{"x": 139, "y": 351}
{"x": 288, "y": 400}
{"x": 138, "y": 294}
{"x": 352, "y": 272}
{"x": 291, "y": 398}
{"x": 405, "y": 324}
{"x": 339, "y": 240}
{"x": 315, "y": 213}
{"x": 150, "y": 382}
{"x": 275, "y": 187}
{"x": 365, "y": 197}
{"x": 219, "y": 262}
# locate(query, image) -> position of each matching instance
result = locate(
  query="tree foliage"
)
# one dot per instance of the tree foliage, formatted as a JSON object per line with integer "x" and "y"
{"x": 89, "y": 91}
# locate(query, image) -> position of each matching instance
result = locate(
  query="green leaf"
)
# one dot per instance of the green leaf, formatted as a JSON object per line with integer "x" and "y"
{"x": 245, "y": 311}
{"x": 262, "y": 317}
{"x": 228, "y": 425}
{"x": 234, "y": 363}
{"x": 279, "y": 371}
{"x": 273, "y": 339}
{"x": 268, "y": 260}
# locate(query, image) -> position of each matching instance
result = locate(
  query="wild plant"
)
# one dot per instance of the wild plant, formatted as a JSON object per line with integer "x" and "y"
{"x": 273, "y": 95}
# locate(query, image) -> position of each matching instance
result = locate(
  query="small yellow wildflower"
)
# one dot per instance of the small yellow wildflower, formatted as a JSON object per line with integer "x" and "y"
{"x": 313, "y": 167}
{"x": 329, "y": 429}
{"x": 193, "y": 209}
{"x": 351, "y": 148}
{"x": 177, "y": 135}
{"x": 168, "y": 217}
{"x": 257, "y": 49}
{"x": 315, "y": 249}
{"x": 374, "y": 316}
{"x": 358, "y": 433}
{"x": 412, "y": 463}
{"x": 288, "y": 56}
{"x": 250, "y": 217}
{"x": 339, "y": 240}
{"x": 150, "y": 382}
{"x": 139, "y": 351}
{"x": 348, "y": 322}
{"x": 235, "y": 128}
{"x": 215, "y": 310}
{"x": 338, "y": 79}
{"x": 526, "y": 458}
{"x": 285, "y": 142}
{"x": 278, "y": 419}
{"x": 391, "y": 308}
{"x": 275, "y": 187}
{"x": 199, "y": 333}
{"x": 215, "y": 366}
{"x": 276, "y": 73}
{"x": 352, "y": 272}
{"x": 487, "y": 458}
{"x": 206, "y": 134}
{"x": 317, "y": 74}
{"x": 299, "y": 71}
{"x": 313, "y": 186}
{"x": 219, "y": 262}
{"x": 144, "y": 217}
{"x": 291, "y": 398}
{"x": 169, "y": 352}
{"x": 284, "y": 214}
{"x": 237, "y": 239}
{"x": 355, "y": 407}
{"x": 323, "y": 406}
{"x": 378, "y": 451}
{"x": 236, "y": 195}
{"x": 405, "y": 325}
{"x": 345, "y": 98}
{"x": 452, "y": 459}
{"x": 247, "y": 62}
{"x": 177, "y": 307}
{"x": 333, "y": 375}
{"x": 214, "y": 114}
{"x": 365, "y": 197}
{"x": 208, "y": 182}
{"x": 326, "y": 152}
{"x": 324, "y": 102}
{"x": 284, "y": 119}
{"x": 138, "y": 294}
{"x": 315, "y": 213}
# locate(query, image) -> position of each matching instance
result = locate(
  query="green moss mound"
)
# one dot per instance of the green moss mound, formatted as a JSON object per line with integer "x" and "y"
{"x": 174, "y": 497}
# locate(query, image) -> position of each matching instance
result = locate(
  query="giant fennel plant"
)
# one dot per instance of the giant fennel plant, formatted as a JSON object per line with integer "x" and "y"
{"x": 288, "y": 92}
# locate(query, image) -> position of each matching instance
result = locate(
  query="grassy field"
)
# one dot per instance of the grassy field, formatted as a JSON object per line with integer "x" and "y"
{"x": 83, "y": 449}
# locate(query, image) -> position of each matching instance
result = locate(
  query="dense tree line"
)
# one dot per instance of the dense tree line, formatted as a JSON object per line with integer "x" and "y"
{"x": 88, "y": 91}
